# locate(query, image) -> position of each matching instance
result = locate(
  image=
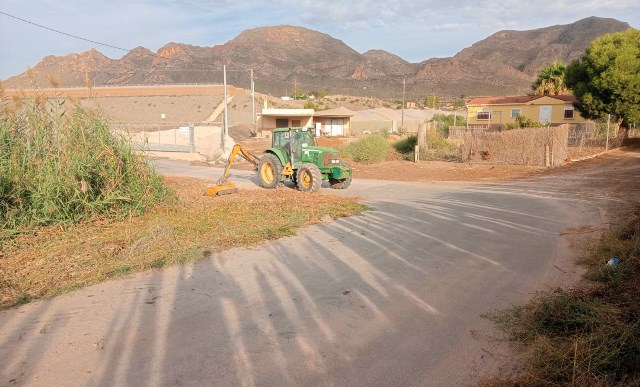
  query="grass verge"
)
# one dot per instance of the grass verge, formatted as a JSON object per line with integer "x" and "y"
{"x": 53, "y": 260}
{"x": 588, "y": 336}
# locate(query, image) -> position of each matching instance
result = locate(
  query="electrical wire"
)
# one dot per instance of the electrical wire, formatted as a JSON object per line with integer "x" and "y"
{"x": 110, "y": 45}
{"x": 64, "y": 33}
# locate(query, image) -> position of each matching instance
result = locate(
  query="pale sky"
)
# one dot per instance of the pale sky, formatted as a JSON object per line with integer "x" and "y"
{"x": 415, "y": 30}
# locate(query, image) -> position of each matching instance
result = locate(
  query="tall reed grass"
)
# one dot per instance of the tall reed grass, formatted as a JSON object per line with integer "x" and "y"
{"x": 60, "y": 164}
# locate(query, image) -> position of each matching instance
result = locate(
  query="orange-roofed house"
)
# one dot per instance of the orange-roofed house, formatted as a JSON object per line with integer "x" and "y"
{"x": 495, "y": 112}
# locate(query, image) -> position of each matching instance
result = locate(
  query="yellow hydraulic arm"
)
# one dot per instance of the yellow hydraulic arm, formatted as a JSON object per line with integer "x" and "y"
{"x": 224, "y": 186}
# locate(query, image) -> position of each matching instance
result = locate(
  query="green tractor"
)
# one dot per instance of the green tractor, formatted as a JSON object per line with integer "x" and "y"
{"x": 294, "y": 156}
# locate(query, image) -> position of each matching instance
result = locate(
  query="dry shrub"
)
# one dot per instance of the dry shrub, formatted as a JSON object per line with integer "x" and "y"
{"x": 584, "y": 337}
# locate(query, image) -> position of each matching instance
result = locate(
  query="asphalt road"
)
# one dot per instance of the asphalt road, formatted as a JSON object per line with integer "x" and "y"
{"x": 391, "y": 297}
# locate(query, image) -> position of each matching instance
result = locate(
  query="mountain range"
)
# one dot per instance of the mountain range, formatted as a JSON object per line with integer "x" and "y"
{"x": 288, "y": 57}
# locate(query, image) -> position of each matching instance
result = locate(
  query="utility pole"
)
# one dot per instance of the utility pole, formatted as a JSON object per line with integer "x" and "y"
{"x": 224, "y": 123}
{"x": 404, "y": 86}
{"x": 253, "y": 100}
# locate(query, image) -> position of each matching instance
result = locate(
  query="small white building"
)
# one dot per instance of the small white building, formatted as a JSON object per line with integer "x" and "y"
{"x": 270, "y": 119}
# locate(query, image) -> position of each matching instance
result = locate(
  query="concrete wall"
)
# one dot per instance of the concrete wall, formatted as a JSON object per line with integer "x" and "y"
{"x": 123, "y": 91}
{"x": 376, "y": 126}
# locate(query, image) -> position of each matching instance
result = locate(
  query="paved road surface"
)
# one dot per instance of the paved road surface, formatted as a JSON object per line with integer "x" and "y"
{"x": 389, "y": 297}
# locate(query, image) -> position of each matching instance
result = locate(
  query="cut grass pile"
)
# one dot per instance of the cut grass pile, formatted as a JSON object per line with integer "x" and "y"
{"x": 589, "y": 336}
{"x": 53, "y": 260}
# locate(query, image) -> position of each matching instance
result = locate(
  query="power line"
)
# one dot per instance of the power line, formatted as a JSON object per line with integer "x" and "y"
{"x": 154, "y": 55}
{"x": 64, "y": 33}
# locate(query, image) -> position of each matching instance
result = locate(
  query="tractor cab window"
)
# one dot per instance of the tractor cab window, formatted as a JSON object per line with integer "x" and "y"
{"x": 281, "y": 139}
{"x": 300, "y": 139}
{"x": 304, "y": 138}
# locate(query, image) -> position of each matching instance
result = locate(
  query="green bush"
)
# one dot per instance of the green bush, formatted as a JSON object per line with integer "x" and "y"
{"x": 368, "y": 150}
{"x": 406, "y": 144}
{"x": 62, "y": 165}
{"x": 439, "y": 148}
{"x": 443, "y": 121}
{"x": 524, "y": 122}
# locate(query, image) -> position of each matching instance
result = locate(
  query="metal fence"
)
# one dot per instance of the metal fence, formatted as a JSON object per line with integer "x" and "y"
{"x": 592, "y": 138}
{"x": 160, "y": 137}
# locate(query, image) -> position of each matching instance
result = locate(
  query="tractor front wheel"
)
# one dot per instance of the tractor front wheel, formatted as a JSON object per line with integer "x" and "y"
{"x": 308, "y": 178}
{"x": 341, "y": 183}
{"x": 269, "y": 171}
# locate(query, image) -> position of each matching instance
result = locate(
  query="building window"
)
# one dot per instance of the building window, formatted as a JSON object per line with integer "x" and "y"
{"x": 516, "y": 112}
{"x": 282, "y": 122}
{"x": 568, "y": 113}
{"x": 483, "y": 115}
{"x": 295, "y": 123}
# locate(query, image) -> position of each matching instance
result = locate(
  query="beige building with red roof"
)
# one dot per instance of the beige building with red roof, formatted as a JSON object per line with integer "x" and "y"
{"x": 498, "y": 111}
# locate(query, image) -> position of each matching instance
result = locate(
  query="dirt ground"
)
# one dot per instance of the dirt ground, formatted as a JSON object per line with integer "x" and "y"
{"x": 442, "y": 171}
{"x": 423, "y": 171}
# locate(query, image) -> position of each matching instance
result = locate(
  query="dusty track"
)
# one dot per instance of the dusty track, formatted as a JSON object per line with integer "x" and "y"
{"x": 391, "y": 297}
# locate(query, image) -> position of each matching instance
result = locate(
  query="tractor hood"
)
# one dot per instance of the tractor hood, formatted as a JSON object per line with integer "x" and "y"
{"x": 319, "y": 149}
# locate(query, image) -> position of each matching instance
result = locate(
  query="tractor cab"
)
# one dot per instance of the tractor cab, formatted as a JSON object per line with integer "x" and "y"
{"x": 292, "y": 141}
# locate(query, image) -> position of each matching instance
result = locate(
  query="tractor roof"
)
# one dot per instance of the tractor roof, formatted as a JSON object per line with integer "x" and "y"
{"x": 276, "y": 130}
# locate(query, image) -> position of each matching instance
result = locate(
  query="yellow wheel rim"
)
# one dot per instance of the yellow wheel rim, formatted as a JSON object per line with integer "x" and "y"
{"x": 306, "y": 179}
{"x": 267, "y": 173}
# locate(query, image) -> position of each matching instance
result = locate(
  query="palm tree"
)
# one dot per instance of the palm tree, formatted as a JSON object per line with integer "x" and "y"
{"x": 550, "y": 80}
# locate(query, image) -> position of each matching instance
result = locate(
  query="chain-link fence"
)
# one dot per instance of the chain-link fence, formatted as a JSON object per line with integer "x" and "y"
{"x": 161, "y": 136}
{"x": 593, "y": 137}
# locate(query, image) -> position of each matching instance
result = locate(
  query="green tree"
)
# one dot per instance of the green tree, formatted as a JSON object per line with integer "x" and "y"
{"x": 550, "y": 80}
{"x": 606, "y": 79}
{"x": 432, "y": 101}
{"x": 443, "y": 121}
{"x": 319, "y": 93}
{"x": 459, "y": 104}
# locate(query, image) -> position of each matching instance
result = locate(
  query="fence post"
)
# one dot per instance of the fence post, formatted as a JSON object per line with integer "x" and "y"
{"x": 416, "y": 154}
{"x": 422, "y": 136}
{"x": 192, "y": 139}
{"x": 546, "y": 156}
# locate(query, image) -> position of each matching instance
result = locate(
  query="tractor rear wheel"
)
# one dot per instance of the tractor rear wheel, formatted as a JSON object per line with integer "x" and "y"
{"x": 269, "y": 171}
{"x": 308, "y": 178}
{"x": 341, "y": 183}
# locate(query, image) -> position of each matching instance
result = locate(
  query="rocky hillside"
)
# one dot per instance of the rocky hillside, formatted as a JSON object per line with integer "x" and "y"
{"x": 281, "y": 56}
